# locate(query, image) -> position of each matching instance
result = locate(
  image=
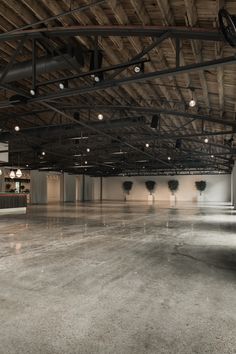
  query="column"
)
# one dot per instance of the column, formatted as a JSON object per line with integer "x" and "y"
{"x": 38, "y": 187}
{"x": 69, "y": 188}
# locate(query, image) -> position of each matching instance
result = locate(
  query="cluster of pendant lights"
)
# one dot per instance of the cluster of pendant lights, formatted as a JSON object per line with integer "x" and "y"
{"x": 14, "y": 174}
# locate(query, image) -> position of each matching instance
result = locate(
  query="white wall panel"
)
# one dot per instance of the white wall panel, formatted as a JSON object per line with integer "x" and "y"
{"x": 218, "y": 188}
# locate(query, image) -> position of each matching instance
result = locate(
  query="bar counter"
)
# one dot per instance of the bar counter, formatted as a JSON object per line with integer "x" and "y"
{"x": 13, "y": 200}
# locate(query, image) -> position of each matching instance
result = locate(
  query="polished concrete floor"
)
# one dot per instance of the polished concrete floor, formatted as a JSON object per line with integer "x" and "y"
{"x": 118, "y": 278}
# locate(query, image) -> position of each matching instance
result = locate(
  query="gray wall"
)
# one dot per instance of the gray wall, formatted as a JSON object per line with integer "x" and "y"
{"x": 69, "y": 188}
{"x": 233, "y": 184}
{"x": 38, "y": 187}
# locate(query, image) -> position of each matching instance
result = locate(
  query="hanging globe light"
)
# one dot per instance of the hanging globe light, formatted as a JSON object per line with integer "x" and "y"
{"x": 12, "y": 174}
{"x": 18, "y": 173}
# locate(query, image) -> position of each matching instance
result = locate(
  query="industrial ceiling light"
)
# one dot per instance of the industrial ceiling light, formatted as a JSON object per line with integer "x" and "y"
{"x": 96, "y": 78}
{"x": 100, "y": 116}
{"x": 63, "y": 84}
{"x": 139, "y": 68}
{"x": 12, "y": 174}
{"x": 17, "y": 128}
{"x": 206, "y": 140}
{"x": 192, "y": 103}
{"x": 169, "y": 158}
{"x": 88, "y": 149}
{"x": 147, "y": 145}
{"x": 43, "y": 153}
{"x": 32, "y": 92}
{"x": 86, "y": 162}
{"x": 212, "y": 156}
{"x": 18, "y": 173}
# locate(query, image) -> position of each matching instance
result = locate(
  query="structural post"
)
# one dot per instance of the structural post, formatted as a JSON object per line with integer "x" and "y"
{"x": 38, "y": 187}
{"x": 69, "y": 188}
{"x": 233, "y": 185}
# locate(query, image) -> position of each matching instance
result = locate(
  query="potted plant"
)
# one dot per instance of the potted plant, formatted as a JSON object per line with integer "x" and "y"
{"x": 201, "y": 186}
{"x": 127, "y": 186}
{"x": 150, "y": 185}
{"x": 173, "y": 185}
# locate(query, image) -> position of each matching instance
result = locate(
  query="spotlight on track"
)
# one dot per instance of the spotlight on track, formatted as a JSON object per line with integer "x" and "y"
{"x": 63, "y": 84}
{"x": 139, "y": 68}
{"x": 192, "y": 103}
{"x": 98, "y": 77}
{"x": 33, "y": 92}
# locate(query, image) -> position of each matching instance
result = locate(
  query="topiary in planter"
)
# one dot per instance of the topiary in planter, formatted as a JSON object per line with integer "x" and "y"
{"x": 173, "y": 185}
{"x": 150, "y": 185}
{"x": 127, "y": 186}
{"x": 201, "y": 186}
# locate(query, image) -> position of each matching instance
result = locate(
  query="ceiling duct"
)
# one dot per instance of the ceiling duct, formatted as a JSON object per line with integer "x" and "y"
{"x": 71, "y": 58}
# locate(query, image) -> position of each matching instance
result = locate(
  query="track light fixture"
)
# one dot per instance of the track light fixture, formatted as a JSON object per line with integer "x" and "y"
{"x": 192, "y": 103}
{"x": 33, "y": 92}
{"x": 63, "y": 84}
{"x": 139, "y": 68}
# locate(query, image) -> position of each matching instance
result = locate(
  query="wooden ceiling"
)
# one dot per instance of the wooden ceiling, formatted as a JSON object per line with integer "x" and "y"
{"x": 213, "y": 89}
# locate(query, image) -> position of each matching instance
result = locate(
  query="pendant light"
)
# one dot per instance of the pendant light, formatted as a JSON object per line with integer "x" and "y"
{"x": 12, "y": 174}
{"x": 18, "y": 173}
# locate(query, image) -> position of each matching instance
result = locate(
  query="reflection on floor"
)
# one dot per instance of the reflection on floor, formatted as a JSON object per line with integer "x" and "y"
{"x": 118, "y": 278}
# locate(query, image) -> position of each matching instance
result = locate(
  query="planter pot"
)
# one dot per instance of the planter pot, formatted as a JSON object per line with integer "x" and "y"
{"x": 151, "y": 198}
{"x": 172, "y": 198}
{"x": 127, "y": 197}
{"x": 200, "y": 199}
